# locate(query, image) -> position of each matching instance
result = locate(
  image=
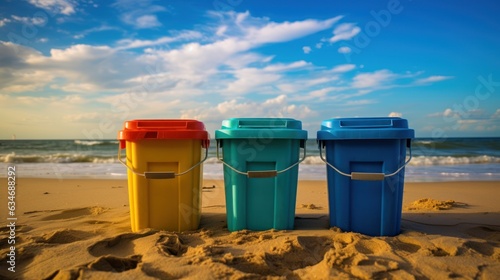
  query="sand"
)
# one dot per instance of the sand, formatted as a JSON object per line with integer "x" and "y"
{"x": 80, "y": 229}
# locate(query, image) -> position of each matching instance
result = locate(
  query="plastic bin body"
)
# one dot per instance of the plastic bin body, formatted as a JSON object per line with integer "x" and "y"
{"x": 261, "y": 145}
{"x": 157, "y": 146}
{"x": 366, "y": 145}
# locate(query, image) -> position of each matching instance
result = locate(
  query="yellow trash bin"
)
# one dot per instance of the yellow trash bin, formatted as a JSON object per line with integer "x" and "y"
{"x": 164, "y": 162}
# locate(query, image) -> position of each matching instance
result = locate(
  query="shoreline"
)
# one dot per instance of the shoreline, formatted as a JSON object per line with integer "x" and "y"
{"x": 89, "y": 220}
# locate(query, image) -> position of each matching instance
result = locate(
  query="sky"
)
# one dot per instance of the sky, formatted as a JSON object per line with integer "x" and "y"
{"x": 79, "y": 69}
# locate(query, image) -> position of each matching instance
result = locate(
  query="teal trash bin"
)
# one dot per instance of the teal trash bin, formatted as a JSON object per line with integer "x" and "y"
{"x": 366, "y": 158}
{"x": 260, "y": 157}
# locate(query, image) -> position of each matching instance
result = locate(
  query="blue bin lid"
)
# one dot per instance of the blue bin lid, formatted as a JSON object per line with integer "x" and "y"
{"x": 275, "y": 128}
{"x": 365, "y": 128}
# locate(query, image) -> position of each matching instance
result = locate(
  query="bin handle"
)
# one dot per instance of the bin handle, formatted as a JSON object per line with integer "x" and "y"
{"x": 160, "y": 174}
{"x": 260, "y": 173}
{"x": 364, "y": 176}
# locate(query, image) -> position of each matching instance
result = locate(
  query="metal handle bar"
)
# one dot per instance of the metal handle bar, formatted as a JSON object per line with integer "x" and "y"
{"x": 160, "y": 174}
{"x": 365, "y": 176}
{"x": 260, "y": 173}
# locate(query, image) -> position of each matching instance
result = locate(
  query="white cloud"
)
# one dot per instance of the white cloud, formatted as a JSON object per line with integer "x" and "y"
{"x": 66, "y": 102}
{"x": 432, "y": 79}
{"x": 25, "y": 69}
{"x": 374, "y": 79}
{"x": 448, "y": 112}
{"x": 321, "y": 80}
{"x": 434, "y": 115}
{"x": 4, "y": 21}
{"x": 33, "y": 86}
{"x": 80, "y": 52}
{"x": 101, "y": 28}
{"x": 132, "y": 44}
{"x": 469, "y": 120}
{"x": 343, "y": 68}
{"x": 285, "y": 67}
{"x": 496, "y": 115}
{"x": 88, "y": 116}
{"x": 249, "y": 79}
{"x": 395, "y": 114}
{"x": 260, "y": 80}
{"x": 283, "y": 32}
{"x": 319, "y": 45}
{"x": 478, "y": 125}
{"x": 360, "y": 102}
{"x": 77, "y": 87}
{"x": 140, "y": 14}
{"x": 29, "y": 21}
{"x": 324, "y": 93}
{"x": 147, "y": 21}
{"x": 344, "y": 50}
{"x": 217, "y": 70}
{"x": 320, "y": 92}
{"x": 195, "y": 62}
{"x": 43, "y": 40}
{"x": 221, "y": 30}
{"x": 65, "y": 7}
{"x": 306, "y": 49}
{"x": 345, "y": 31}
{"x": 273, "y": 107}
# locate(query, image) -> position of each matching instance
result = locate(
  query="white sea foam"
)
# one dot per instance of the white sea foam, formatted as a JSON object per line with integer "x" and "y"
{"x": 448, "y": 160}
{"x": 93, "y": 142}
{"x": 55, "y": 158}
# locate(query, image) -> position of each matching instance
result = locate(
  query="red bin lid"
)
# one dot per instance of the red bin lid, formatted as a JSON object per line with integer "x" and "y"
{"x": 163, "y": 129}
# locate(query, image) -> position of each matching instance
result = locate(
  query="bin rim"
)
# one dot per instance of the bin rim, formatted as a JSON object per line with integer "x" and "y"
{"x": 163, "y": 129}
{"x": 365, "y": 128}
{"x": 265, "y": 128}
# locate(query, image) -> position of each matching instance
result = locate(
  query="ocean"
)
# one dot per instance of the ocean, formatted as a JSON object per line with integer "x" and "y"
{"x": 434, "y": 160}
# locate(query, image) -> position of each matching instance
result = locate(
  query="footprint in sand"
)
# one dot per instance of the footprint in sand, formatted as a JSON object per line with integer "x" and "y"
{"x": 485, "y": 232}
{"x": 299, "y": 252}
{"x": 292, "y": 254}
{"x": 171, "y": 245}
{"x": 115, "y": 264}
{"x": 406, "y": 246}
{"x": 105, "y": 263}
{"x": 484, "y": 248}
{"x": 120, "y": 245}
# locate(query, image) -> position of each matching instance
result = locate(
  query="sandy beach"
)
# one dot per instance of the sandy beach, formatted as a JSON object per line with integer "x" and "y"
{"x": 80, "y": 229}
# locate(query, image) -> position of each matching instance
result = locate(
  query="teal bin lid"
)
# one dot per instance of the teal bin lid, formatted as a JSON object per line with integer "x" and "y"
{"x": 275, "y": 128}
{"x": 365, "y": 128}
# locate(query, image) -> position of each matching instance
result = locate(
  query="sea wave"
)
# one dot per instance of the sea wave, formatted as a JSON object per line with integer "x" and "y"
{"x": 456, "y": 144}
{"x": 309, "y": 160}
{"x": 93, "y": 142}
{"x": 449, "y": 160}
{"x": 55, "y": 158}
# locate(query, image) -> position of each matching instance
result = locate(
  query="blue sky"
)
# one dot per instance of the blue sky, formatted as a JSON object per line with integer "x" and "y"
{"x": 79, "y": 69}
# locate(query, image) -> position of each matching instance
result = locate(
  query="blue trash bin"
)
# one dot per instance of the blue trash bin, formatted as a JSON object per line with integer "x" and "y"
{"x": 261, "y": 157}
{"x": 366, "y": 158}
